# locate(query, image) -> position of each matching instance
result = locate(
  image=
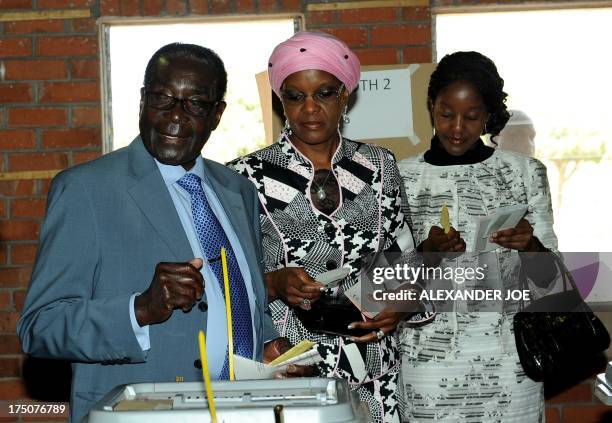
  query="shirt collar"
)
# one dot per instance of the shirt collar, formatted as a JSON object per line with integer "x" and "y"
{"x": 172, "y": 174}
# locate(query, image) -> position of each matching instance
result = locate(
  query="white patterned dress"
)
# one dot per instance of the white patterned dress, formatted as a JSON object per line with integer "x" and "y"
{"x": 295, "y": 233}
{"x": 464, "y": 367}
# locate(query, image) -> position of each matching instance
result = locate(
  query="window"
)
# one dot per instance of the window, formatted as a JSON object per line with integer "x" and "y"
{"x": 557, "y": 73}
{"x": 128, "y": 44}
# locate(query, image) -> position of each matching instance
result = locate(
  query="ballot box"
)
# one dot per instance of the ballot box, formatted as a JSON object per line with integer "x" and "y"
{"x": 307, "y": 400}
{"x": 602, "y": 388}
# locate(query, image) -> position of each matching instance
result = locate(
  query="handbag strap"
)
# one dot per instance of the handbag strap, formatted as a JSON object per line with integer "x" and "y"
{"x": 568, "y": 279}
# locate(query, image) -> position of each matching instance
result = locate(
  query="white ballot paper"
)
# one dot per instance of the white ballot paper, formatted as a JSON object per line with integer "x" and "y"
{"x": 245, "y": 369}
{"x": 502, "y": 218}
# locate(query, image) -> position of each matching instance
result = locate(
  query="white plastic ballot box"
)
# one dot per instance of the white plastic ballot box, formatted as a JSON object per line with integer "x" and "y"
{"x": 602, "y": 388}
{"x": 299, "y": 400}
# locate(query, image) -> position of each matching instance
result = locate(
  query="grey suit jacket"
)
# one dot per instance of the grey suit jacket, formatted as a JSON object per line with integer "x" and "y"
{"x": 108, "y": 223}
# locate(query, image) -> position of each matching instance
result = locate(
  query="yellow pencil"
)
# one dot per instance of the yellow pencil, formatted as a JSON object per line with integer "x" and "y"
{"x": 445, "y": 219}
{"x": 228, "y": 313}
{"x": 209, "y": 392}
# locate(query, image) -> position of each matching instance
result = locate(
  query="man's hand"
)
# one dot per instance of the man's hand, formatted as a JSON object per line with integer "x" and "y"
{"x": 385, "y": 321}
{"x": 279, "y": 346}
{"x": 294, "y": 286}
{"x": 174, "y": 285}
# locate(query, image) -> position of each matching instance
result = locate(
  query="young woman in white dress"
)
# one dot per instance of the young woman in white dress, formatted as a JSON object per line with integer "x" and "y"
{"x": 463, "y": 367}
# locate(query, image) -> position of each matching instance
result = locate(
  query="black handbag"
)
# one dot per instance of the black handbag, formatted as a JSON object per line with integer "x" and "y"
{"x": 557, "y": 332}
{"x": 332, "y": 315}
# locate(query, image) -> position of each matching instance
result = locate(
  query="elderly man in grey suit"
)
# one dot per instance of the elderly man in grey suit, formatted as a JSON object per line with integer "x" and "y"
{"x": 128, "y": 267}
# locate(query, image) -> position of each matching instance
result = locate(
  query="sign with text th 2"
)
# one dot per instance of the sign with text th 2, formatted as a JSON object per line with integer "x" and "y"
{"x": 383, "y": 106}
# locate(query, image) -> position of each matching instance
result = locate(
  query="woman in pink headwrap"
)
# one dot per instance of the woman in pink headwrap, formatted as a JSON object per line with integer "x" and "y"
{"x": 326, "y": 202}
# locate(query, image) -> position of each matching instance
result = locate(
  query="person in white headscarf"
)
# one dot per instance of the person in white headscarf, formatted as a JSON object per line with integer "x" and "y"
{"x": 518, "y": 135}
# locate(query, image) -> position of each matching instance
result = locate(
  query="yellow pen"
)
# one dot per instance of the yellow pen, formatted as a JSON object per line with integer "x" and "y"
{"x": 209, "y": 392}
{"x": 228, "y": 313}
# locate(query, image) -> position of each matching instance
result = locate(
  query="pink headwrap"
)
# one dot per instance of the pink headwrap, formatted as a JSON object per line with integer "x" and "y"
{"x": 313, "y": 50}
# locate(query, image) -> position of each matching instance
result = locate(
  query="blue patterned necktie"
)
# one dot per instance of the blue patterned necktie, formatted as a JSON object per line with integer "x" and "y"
{"x": 212, "y": 237}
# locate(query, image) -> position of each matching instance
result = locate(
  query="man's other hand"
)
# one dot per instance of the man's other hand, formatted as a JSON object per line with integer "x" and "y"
{"x": 279, "y": 346}
{"x": 174, "y": 286}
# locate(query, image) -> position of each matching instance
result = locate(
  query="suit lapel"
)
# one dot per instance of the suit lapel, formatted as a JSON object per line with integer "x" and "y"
{"x": 152, "y": 198}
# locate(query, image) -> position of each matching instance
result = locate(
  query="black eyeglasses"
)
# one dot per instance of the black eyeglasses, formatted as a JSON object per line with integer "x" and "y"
{"x": 193, "y": 105}
{"x": 324, "y": 96}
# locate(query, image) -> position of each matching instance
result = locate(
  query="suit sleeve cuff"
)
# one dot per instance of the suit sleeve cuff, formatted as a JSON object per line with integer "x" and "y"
{"x": 141, "y": 332}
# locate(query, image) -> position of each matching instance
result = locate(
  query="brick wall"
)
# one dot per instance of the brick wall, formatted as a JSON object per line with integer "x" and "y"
{"x": 50, "y": 119}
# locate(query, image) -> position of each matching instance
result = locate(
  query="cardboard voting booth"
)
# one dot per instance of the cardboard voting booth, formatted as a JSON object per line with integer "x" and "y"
{"x": 388, "y": 108}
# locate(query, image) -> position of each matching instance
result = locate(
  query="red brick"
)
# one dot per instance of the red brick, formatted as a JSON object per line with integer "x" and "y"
{"x": 23, "y": 253}
{"x": 13, "y": 139}
{"x": 153, "y": 7}
{"x": 71, "y": 138}
{"x": 67, "y": 92}
{"x": 15, "y": 47}
{"x": 552, "y": 415}
{"x": 24, "y": 70}
{"x": 10, "y": 367}
{"x": 5, "y": 302}
{"x": 130, "y": 8}
{"x": 290, "y": 5}
{"x": 417, "y": 14}
{"x": 34, "y": 27}
{"x": 64, "y": 4}
{"x": 27, "y": 208}
{"x": 417, "y": 55}
{"x": 37, "y": 117}
{"x": 9, "y": 344}
{"x": 11, "y": 389}
{"x": 587, "y": 414}
{"x": 176, "y": 7}
{"x": 85, "y": 156}
{"x": 19, "y": 299}
{"x": 86, "y": 116}
{"x": 3, "y": 209}
{"x": 15, "y": 93}
{"x": 12, "y": 277}
{"x": 8, "y": 324}
{"x": 377, "y": 56}
{"x": 198, "y": 7}
{"x": 220, "y": 6}
{"x": 84, "y": 69}
{"x": 3, "y": 254}
{"x": 576, "y": 394}
{"x": 245, "y": 6}
{"x": 15, "y": 4}
{"x": 351, "y": 36}
{"x": 37, "y": 161}
{"x": 23, "y": 230}
{"x": 401, "y": 34}
{"x": 321, "y": 17}
{"x": 83, "y": 25}
{"x": 24, "y": 187}
{"x": 67, "y": 46}
{"x": 110, "y": 7}
{"x": 45, "y": 184}
{"x": 268, "y": 5}
{"x": 60, "y": 418}
{"x": 353, "y": 16}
